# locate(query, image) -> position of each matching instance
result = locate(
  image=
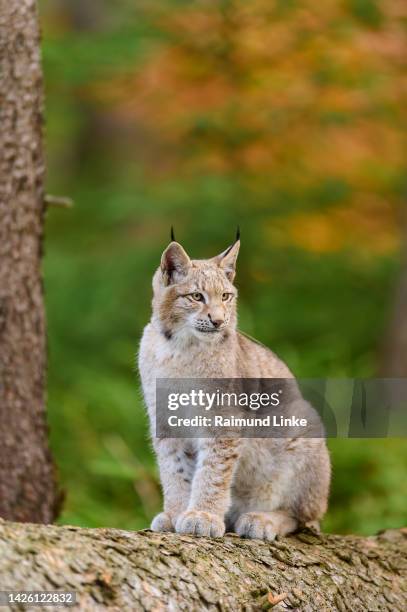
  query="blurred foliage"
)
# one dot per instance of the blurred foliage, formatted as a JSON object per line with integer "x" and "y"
{"x": 283, "y": 116}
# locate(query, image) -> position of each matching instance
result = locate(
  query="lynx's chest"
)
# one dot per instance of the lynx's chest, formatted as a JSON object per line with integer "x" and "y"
{"x": 160, "y": 357}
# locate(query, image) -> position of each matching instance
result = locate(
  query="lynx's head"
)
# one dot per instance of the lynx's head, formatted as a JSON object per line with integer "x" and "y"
{"x": 195, "y": 298}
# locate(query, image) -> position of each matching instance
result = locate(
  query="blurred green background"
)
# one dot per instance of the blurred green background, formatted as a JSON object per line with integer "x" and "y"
{"x": 282, "y": 116}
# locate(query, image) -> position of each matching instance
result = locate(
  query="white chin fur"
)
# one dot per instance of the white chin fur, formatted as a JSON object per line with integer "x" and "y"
{"x": 206, "y": 336}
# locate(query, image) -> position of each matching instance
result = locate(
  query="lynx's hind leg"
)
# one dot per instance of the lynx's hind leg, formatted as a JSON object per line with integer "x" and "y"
{"x": 264, "y": 525}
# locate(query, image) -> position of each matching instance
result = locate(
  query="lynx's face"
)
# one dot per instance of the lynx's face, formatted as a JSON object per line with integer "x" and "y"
{"x": 195, "y": 297}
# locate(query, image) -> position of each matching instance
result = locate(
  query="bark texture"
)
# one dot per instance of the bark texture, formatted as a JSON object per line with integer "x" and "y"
{"x": 27, "y": 490}
{"x": 122, "y": 570}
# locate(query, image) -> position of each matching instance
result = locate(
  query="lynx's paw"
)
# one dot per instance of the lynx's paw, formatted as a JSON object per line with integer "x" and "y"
{"x": 196, "y": 522}
{"x": 264, "y": 525}
{"x": 162, "y": 522}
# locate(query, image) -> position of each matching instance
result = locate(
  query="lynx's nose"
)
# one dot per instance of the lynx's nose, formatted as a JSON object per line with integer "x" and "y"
{"x": 215, "y": 322}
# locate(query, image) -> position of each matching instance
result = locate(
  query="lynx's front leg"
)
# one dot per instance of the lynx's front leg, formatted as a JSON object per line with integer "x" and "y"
{"x": 176, "y": 466}
{"x": 210, "y": 493}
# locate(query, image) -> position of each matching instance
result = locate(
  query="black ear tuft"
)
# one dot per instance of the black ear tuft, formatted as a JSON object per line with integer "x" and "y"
{"x": 232, "y": 245}
{"x": 172, "y": 234}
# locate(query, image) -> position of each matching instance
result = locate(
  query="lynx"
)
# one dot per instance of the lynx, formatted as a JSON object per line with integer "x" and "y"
{"x": 258, "y": 488}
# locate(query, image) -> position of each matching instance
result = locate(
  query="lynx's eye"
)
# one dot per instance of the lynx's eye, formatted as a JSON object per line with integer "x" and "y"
{"x": 226, "y": 297}
{"x": 198, "y": 297}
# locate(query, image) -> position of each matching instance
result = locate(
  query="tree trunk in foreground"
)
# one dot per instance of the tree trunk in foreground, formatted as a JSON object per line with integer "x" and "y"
{"x": 27, "y": 485}
{"x": 143, "y": 570}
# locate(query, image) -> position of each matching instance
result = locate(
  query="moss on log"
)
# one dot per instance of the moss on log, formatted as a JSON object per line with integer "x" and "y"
{"x": 120, "y": 570}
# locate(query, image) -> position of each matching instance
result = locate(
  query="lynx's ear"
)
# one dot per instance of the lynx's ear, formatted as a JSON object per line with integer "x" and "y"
{"x": 175, "y": 264}
{"x": 227, "y": 260}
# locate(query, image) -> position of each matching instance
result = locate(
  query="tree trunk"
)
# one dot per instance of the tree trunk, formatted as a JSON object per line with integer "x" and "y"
{"x": 121, "y": 570}
{"x": 27, "y": 485}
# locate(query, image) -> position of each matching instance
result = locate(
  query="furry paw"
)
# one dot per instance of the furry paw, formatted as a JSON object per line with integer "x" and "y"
{"x": 256, "y": 525}
{"x": 196, "y": 522}
{"x": 162, "y": 522}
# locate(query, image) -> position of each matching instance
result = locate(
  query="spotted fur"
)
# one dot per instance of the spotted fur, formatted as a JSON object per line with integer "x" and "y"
{"x": 259, "y": 488}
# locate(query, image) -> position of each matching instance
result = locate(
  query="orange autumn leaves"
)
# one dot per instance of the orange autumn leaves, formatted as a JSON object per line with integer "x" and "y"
{"x": 280, "y": 94}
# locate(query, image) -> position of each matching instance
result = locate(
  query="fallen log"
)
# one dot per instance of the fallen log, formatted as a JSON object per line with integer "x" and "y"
{"x": 121, "y": 570}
